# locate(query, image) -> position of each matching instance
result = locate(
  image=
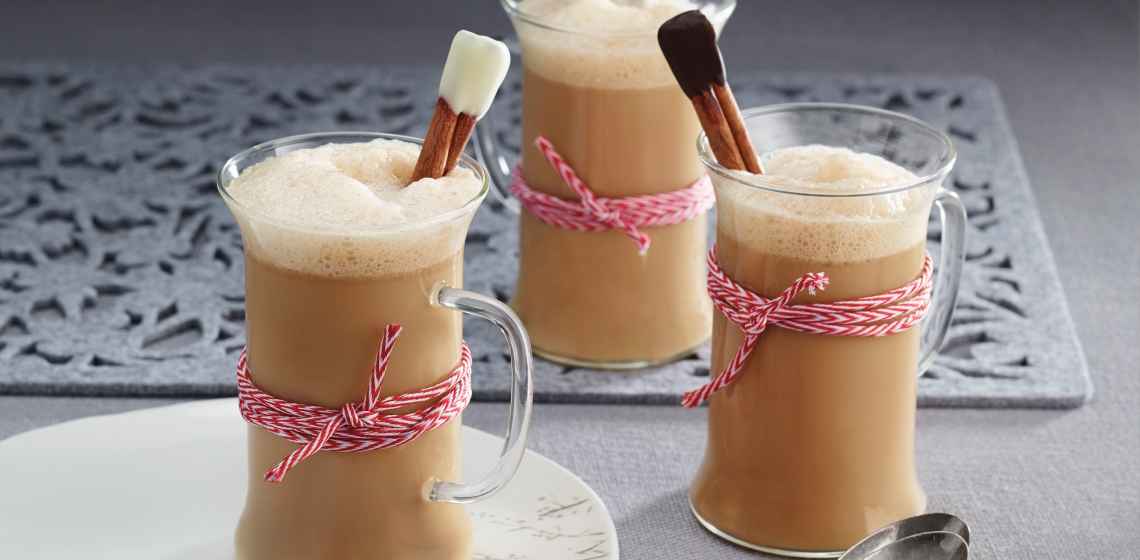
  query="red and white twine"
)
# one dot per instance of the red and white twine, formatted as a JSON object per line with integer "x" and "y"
{"x": 878, "y": 315}
{"x": 593, "y": 213}
{"x": 355, "y": 427}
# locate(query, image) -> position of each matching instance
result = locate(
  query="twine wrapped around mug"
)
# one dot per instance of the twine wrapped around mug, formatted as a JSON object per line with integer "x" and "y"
{"x": 355, "y": 427}
{"x": 888, "y": 313}
{"x": 593, "y": 213}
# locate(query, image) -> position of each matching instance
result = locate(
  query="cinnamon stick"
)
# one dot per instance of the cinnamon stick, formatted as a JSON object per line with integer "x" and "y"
{"x": 735, "y": 121}
{"x": 464, "y": 126}
{"x": 717, "y": 130}
{"x": 437, "y": 142}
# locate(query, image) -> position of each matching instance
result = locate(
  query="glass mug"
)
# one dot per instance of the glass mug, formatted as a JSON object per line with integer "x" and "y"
{"x": 611, "y": 107}
{"x": 812, "y": 447}
{"x": 312, "y": 337}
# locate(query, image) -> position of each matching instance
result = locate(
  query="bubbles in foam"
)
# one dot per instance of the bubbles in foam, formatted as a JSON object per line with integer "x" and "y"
{"x": 832, "y": 170}
{"x": 350, "y": 186}
{"x": 829, "y": 229}
{"x": 619, "y": 46}
{"x": 332, "y": 210}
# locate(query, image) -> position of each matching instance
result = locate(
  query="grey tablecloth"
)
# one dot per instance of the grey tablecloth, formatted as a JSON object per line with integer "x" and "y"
{"x": 124, "y": 277}
{"x": 1033, "y": 484}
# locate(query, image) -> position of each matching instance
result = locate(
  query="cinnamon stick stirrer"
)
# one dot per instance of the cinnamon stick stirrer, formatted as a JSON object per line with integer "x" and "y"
{"x": 475, "y": 68}
{"x": 688, "y": 41}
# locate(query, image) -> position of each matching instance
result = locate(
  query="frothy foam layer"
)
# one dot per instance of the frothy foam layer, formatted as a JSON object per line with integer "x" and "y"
{"x": 615, "y": 44}
{"x": 343, "y": 209}
{"x": 827, "y": 229}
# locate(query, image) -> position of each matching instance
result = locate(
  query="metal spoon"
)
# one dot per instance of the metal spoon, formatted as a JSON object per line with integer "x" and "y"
{"x": 933, "y": 536}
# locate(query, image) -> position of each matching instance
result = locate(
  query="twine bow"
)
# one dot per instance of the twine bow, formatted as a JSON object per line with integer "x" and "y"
{"x": 355, "y": 427}
{"x": 878, "y": 315}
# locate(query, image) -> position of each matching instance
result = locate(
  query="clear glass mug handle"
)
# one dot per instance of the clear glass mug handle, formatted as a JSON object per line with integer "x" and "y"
{"x": 518, "y": 421}
{"x": 489, "y": 153}
{"x": 952, "y": 256}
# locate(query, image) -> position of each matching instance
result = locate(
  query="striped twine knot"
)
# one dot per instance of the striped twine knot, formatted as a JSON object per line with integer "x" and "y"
{"x": 592, "y": 213}
{"x": 355, "y": 427}
{"x": 878, "y": 315}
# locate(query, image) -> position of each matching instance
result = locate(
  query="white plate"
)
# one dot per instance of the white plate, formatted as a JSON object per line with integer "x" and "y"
{"x": 168, "y": 483}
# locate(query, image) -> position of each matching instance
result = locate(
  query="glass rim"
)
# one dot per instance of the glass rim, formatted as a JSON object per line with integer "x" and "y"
{"x": 946, "y": 163}
{"x": 514, "y": 11}
{"x": 222, "y": 184}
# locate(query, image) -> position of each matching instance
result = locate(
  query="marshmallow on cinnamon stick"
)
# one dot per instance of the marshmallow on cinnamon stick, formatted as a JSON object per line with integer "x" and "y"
{"x": 475, "y": 68}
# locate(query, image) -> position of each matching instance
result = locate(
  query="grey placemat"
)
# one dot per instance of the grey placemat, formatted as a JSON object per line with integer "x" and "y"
{"x": 120, "y": 269}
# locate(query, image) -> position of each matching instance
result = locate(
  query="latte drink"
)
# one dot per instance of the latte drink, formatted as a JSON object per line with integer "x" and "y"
{"x": 335, "y": 250}
{"x": 812, "y": 446}
{"x": 597, "y": 86}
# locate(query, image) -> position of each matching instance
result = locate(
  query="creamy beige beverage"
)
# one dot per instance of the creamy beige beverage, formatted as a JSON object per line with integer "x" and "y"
{"x": 601, "y": 91}
{"x": 812, "y": 447}
{"x": 335, "y": 249}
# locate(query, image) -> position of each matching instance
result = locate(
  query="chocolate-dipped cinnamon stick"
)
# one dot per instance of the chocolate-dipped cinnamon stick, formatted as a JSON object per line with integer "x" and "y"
{"x": 736, "y": 124}
{"x": 716, "y": 128}
{"x": 688, "y": 41}
{"x": 475, "y": 68}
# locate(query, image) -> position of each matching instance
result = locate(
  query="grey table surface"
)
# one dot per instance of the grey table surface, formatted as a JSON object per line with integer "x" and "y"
{"x": 1032, "y": 483}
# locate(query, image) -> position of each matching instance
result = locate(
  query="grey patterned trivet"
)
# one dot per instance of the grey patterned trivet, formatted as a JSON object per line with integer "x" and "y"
{"x": 120, "y": 269}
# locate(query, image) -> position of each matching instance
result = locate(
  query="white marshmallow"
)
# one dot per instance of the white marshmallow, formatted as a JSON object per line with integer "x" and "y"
{"x": 475, "y": 68}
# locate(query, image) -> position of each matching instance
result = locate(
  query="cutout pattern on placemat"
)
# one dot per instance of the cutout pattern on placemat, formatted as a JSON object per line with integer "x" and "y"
{"x": 121, "y": 270}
